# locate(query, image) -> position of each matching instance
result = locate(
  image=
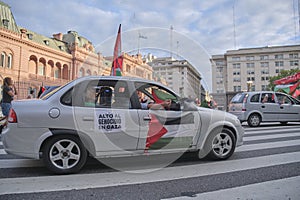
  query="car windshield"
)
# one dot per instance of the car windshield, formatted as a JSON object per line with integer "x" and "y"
{"x": 296, "y": 101}
{"x": 238, "y": 98}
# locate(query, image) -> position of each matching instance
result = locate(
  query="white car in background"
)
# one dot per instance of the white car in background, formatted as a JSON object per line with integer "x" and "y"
{"x": 103, "y": 117}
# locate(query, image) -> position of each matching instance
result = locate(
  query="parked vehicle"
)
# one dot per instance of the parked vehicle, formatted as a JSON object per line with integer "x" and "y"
{"x": 103, "y": 117}
{"x": 265, "y": 106}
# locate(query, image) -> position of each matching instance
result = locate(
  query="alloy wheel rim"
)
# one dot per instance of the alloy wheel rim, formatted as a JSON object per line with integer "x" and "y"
{"x": 254, "y": 120}
{"x": 222, "y": 144}
{"x": 65, "y": 154}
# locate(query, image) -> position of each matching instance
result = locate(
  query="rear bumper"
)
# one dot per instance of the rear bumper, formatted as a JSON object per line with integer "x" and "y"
{"x": 23, "y": 142}
{"x": 240, "y": 115}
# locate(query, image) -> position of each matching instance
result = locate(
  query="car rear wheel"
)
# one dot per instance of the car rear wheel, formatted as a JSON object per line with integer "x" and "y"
{"x": 254, "y": 120}
{"x": 64, "y": 154}
{"x": 221, "y": 144}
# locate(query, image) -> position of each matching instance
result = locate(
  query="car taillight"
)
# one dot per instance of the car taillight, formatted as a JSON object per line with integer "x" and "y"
{"x": 12, "y": 116}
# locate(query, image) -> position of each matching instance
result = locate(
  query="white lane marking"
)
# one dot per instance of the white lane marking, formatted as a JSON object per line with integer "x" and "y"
{"x": 18, "y": 163}
{"x": 262, "y": 137}
{"x": 254, "y": 129}
{"x": 2, "y": 152}
{"x": 267, "y": 145}
{"x": 84, "y": 181}
{"x": 288, "y": 188}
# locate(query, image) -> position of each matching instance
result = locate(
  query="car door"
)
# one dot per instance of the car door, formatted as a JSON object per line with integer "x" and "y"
{"x": 268, "y": 107}
{"x": 166, "y": 129}
{"x": 288, "y": 110}
{"x": 103, "y": 112}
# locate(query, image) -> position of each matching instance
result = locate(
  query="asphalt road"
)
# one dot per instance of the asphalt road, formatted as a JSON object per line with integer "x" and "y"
{"x": 267, "y": 166}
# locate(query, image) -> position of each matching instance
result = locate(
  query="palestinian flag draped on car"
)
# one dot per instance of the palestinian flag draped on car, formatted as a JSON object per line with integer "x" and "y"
{"x": 169, "y": 131}
{"x": 116, "y": 69}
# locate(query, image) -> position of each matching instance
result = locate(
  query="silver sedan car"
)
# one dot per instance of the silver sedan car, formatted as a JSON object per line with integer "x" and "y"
{"x": 106, "y": 117}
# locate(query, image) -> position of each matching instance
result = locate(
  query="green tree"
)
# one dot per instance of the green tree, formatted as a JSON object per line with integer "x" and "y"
{"x": 282, "y": 74}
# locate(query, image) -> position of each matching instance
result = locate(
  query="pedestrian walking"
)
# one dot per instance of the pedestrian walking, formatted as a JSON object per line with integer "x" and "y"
{"x": 8, "y": 93}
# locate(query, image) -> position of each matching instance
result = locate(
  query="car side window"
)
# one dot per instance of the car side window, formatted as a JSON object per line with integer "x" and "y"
{"x": 154, "y": 94}
{"x": 66, "y": 99}
{"x": 255, "y": 98}
{"x": 106, "y": 94}
{"x": 267, "y": 98}
{"x": 283, "y": 99}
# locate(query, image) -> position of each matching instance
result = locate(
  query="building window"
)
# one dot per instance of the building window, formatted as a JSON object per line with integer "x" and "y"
{"x": 293, "y": 55}
{"x": 5, "y": 23}
{"x": 2, "y": 61}
{"x": 81, "y": 73}
{"x": 250, "y": 78}
{"x": 30, "y": 36}
{"x": 279, "y": 64}
{"x": 279, "y": 56}
{"x": 9, "y": 61}
{"x": 41, "y": 70}
{"x": 249, "y": 57}
{"x": 236, "y": 88}
{"x": 236, "y": 66}
{"x": 264, "y": 87}
{"x": 265, "y": 71}
{"x": 88, "y": 72}
{"x": 264, "y": 57}
{"x": 128, "y": 68}
{"x": 266, "y": 78}
{"x": 237, "y": 79}
{"x": 250, "y": 65}
{"x": 236, "y": 73}
{"x": 236, "y": 58}
{"x": 294, "y": 63}
{"x": 264, "y": 64}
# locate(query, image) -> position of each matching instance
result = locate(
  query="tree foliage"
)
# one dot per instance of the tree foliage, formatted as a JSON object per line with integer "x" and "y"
{"x": 282, "y": 74}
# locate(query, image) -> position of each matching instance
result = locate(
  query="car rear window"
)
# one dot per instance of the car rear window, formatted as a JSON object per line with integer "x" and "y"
{"x": 238, "y": 98}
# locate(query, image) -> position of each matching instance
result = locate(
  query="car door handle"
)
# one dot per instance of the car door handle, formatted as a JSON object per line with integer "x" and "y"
{"x": 88, "y": 119}
{"x": 263, "y": 106}
{"x": 147, "y": 118}
{"x": 281, "y": 107}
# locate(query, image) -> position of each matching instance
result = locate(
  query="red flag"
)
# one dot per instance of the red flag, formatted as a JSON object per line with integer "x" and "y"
{"x": 116, "y": 69}
{"x": 155, "y": 132}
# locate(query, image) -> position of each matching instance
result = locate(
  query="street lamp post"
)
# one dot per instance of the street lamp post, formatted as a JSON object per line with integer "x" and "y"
{"x": 249, "y": 85}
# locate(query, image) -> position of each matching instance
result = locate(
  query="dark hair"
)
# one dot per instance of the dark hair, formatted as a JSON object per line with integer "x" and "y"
{"x": 7, "y": 81}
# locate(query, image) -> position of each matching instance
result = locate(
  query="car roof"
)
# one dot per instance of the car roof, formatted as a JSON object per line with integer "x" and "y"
{"x": 124, "y": 78}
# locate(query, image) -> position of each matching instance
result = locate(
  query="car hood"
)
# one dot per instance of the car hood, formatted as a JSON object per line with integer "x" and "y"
{"x": 218, "y": 116}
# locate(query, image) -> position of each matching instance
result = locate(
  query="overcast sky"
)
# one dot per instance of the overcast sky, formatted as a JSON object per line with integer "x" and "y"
{"x": 201, "y": 28}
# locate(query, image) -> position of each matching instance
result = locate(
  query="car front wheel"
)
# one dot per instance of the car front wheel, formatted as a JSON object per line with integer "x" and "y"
{"x": 221, "y": 144}
{"x": 64, "y": 154}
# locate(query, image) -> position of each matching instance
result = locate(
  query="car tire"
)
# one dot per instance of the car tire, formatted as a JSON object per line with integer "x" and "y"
{"x": 254, "y": 120}
{"x": 220, "y": 144}
{"x": 64, "y": 154}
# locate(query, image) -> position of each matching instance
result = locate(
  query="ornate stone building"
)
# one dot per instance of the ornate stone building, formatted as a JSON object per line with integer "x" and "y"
{"x": 33, "y": 60}
{"x": 135, "y": 66}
